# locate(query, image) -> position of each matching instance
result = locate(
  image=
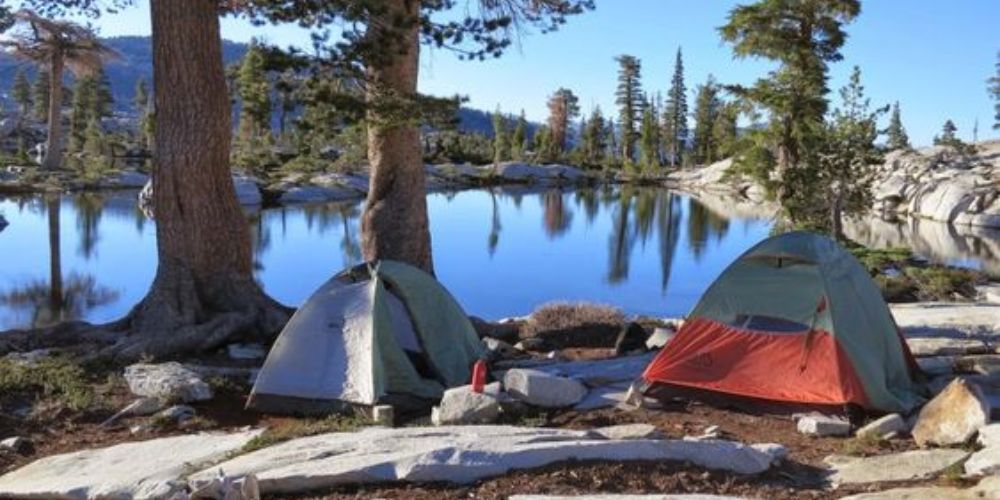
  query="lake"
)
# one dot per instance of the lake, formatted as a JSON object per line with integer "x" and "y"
{"x": 501, "y": 252}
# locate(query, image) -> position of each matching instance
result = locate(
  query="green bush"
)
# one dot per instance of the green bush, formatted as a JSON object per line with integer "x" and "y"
{"x": 55, "y": 379}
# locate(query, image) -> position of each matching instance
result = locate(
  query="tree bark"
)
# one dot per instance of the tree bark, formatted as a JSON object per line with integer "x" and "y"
{"x": 53, "y": 143}
{"x": 394, "y": 223}
{"x": 204, "y": 293}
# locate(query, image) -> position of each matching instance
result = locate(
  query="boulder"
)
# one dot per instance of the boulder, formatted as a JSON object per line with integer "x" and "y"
{"x": 461, "y": 454}
{"x": 815, "y": 424}
{"x": 953, "y": 416}
{"x": 660, "y": 337}
{"x": 985, "y": 462}
{"x": 631, "y": 338}
{"x": 879, "y": 428}
{"x": 906, "y": 466}
{"x": 499, "y": 349}
{"x": 167, "y": 381}
{"x": 460, "y": 405}
{"x": 989, "y": 436}
{"x": 143, "y": 469}
{"x": 538, "y": 388}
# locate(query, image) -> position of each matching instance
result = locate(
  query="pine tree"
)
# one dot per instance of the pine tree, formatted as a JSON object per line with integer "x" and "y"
{"x": 649, "y": 148}
{"x": 543, "y": 145}
{"x": 994, "y": 91}
{"x": 802, "y": 37}
{"x": 21, "y": 92}
{"x": 518, "y": 138}
{"x": 564, "y": 107}
{"x": 141, "y": 103}
{"x": 628, "y": 97}
{"x": 593, "y": 143}
{"x": 724, "y": 130}
{"x": 40, "y": 94}
{"x": 82, "y": 111}
{"x": 611, "y": 135}
{"x": 947, "y": 137}
{"x": 896, "y": 134}
{"x": 675, "y": 126}
{"x": 254, "y": 92}
{"x": 103, "y": 100}
{"x": 706, "y": 110}
{"x": 501, "y": 140}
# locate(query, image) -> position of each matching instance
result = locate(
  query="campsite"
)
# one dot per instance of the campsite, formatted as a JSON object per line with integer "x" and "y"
{"x": 499, "y": 249}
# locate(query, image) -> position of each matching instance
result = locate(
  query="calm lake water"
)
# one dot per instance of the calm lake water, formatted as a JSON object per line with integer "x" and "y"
{"x": 501, "y": 253}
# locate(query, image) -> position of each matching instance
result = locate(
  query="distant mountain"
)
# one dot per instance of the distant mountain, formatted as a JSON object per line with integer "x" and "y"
{"x": 135, "y": 60}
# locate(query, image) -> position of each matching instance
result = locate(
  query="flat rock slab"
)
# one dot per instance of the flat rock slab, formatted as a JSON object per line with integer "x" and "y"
{"x": 988, "y": 488}
{"x": 944, "y": 346}
{"x": 604, "y": 397}
{"x": 937, "y": 318}
{"x": 462, "y": 454}
{"x": 905, "y": 466}
{"x": 143, "y": 469}
{"x": 601, "y": 372}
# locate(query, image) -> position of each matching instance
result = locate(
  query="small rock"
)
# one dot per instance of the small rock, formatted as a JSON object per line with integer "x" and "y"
{"x": 823, "y": 425}
{"x": 176, "y": 413}
{"x": 631, "y": 338}
{"x": 953, "y": 416}
{"x": 246, "y": 351}
{"x": 989, "y": 435}
{"x": 937, "y": 365}
{"x": 140, "y": 428}
{"x": 889, "y": 424}
{"x": 384, "y": 415}
{"x": 659, "y": 338}
{"x": 628, "y": 431}
{"x": 167, "y": 381}
{"x": 137, "y": 408}
{"x": 542, "y": 389}
{"x": 16, "y": 444}
{"x": 460, "y": 405}
{"x": 530, "y": 344}
{"x": 500, "y": 349}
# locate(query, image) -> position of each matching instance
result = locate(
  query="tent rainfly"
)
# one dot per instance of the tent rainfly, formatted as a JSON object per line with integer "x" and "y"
{"x": 386, "y": 333}
{"x": 797, "y": 321}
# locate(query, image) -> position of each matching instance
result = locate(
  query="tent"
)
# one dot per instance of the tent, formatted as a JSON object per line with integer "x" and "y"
{"x": 386, "y": 333}
{"x": 795, "y": 322}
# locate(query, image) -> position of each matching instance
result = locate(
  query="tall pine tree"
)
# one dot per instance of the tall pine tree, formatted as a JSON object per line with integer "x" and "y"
{"x": 675, "y": 125}
{"x": 896, "y": 134}
{"x": 501, "y": 140}
{"x": 564, "y": 107}
{"x": 649, "y": 138}
{"x": 255, "y": 95}
{"x": 628, "y": 97}
{"x": 518, "y": 138}
{"x": 994, "y": 90}
{"x": 21, "y": 92}
{"x": 706, "y": 110}
{"x": 141, "y": 104}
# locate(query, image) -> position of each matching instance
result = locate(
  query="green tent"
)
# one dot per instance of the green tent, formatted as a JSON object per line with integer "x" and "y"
{"x": 382, "y": 333}
{"x": 795, "y": 319}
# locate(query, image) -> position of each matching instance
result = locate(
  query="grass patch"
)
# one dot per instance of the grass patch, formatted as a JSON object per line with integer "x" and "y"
{"x": 557, "y": 316}
{"x": 903, "y": 278}
{"x": 294, "y": 428}
{"x": 861, "y": 446}
{"x": 57, "y": 380}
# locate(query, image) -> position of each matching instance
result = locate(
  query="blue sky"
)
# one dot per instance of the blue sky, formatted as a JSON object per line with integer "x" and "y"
{"x": 931, "y": 56}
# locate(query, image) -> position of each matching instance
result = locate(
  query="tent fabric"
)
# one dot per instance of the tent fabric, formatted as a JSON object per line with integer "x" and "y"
{"x": 855, "y": 354}
{"x": 368, "y": 334}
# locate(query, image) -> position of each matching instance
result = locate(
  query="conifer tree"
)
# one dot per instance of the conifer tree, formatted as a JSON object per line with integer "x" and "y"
{"x": 896, "y": 134}
{"x": 648, "y": 138}
{"x": 724, "y": 130}
{"x": 593, "y": 142}
{"x": 543, "y": 145}
{"x": 564, "y": 107}
{"x": 994, "y": 91}
{"x": 103, "y": 101}
{"x": 611, "y": 135}
{"x": 83, "y": 111}
{"x": 675, "y": 126}
{"x": 501, "y": 140}
{"x": 802, "y": 37}
{"x": 947, "y": 137}
{"x": 706, "y": 110}
{"x": 40, "y": 95}
{"x": 21, "y": 92}
{"x": 628, "y": 97}
{"x": 254, "y": 92}
{"x": 518, "y": 138}
{"x": 141, "y": 103}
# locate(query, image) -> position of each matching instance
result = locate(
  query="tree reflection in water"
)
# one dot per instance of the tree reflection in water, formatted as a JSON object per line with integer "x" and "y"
{"x": 558, "y": 217}
{"x": 56, "y": 300}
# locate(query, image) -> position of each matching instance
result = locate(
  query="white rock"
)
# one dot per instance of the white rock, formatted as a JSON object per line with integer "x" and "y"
{"x": 953, "y": 416}
{"x": 461, "y": 454}
{"x": 16, "y": 443}
{"x": 143, "y": 469}
{"x": 929, "y": 319}
{"x": 941, "y": 346}
{"x": 246, "y": 351}
{"x": 823, "y": 425}
{"x": 905, "y": 466}
{"x": 989, "y": 435}
{"x": 891, "y": 423}
{"x": 660, "y": 337}
{"x": 984, "y": 462}
{"x": 629, "y": 431}
{"x": 167, "y": 381}
{"x": 542, "y": 389}
{"x": 460, "y": 405}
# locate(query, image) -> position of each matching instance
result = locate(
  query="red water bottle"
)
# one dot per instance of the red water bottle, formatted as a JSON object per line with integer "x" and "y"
{"x": 478, "y": 376}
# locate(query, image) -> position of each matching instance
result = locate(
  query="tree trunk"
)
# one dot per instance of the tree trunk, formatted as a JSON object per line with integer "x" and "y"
{"x": 394, "y": 224}
{"x": 53, "y": 143}
{"x": 204, "y": 293}
{"x": 837, "y": 214}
